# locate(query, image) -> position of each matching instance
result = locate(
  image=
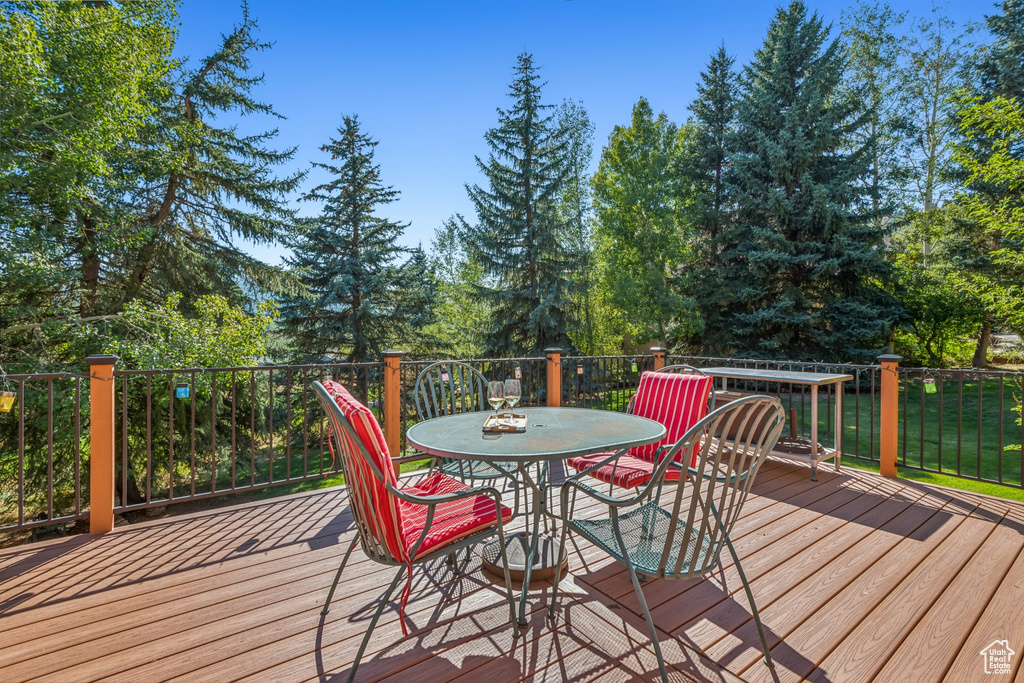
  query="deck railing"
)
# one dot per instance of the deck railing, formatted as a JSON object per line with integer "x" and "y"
{"x": 89, "y": 445}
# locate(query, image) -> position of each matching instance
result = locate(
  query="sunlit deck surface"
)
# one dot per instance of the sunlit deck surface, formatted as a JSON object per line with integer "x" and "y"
{"x": 858, "y": 578}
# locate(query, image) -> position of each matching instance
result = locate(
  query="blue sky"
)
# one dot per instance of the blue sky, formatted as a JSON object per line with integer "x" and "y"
{"x": 426, "y": 78}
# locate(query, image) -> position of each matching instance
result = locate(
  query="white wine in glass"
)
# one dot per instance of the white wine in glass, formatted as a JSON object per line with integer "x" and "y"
{"x": 513, "y": 392}
{"x": 496, "y": 394}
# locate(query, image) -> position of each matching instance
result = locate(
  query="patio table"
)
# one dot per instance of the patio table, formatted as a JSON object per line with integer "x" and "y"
{"x": 552, "y": 434}
{"x": 811, "y": 379}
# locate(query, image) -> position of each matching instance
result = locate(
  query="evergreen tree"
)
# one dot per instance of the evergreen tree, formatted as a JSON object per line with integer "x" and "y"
{"x": 705, "y": 166}
{"x": 806, "y": 254}
{"x": 519, "y": 236}
{"x": 361, "y": 295}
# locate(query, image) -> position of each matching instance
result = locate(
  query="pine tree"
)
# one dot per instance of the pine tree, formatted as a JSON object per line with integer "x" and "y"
{"x": 705, "y": 167}
{"x": 518, "y": 237}
{"x": 806, "y": 255}
{"x": 362, "y": 295}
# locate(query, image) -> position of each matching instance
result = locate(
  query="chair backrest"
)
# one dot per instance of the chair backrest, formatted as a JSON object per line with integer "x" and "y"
{"x": 366, "y": 464}
{"x": 449, "y": 388}
{"x": 708, "y": 502}
{"x": 681, "y": 369}
{"x": 676, "y": 400}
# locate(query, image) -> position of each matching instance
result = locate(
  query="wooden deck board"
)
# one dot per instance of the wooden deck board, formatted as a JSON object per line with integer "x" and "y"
{"x": 857, "y": 577}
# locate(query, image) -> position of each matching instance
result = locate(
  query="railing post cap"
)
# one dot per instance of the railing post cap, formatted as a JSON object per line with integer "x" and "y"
{"x": 393, "y": 353}
{"x": 553, "y": 349}
{"x": 101, "y": 360}
{"x": 658, "y": 349}
{"x": 890, "y": 358}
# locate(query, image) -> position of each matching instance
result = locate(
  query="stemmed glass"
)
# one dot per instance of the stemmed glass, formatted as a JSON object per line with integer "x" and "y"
{"x": 496, "y": 394}
{"x": 513, "y": 392}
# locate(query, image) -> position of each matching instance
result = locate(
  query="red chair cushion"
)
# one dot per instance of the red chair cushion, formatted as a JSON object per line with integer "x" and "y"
{"x": 384, "y": 516}
{"x": 452, "y": 521}
{"x": 676, "y": 401}
{"x": 627, "y": 472}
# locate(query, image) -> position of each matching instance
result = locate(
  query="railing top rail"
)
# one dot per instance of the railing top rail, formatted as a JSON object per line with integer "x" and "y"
{"x": 519, "y": 359}
{"x": 311, "y": 366}
{"x": 827, "y": 364}
{"x": 43, "y": 375}
{"x": 966, "y": 372}
{"x": 627, "y": 355}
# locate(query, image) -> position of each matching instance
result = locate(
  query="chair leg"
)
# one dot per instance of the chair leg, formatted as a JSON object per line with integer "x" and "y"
{"x": 647, "y": 612}
{"x": 330, "y": 595}
{"x": 373, "y": 622}
{"x": 558, "y": 569}
{"x": 750, "y": 599}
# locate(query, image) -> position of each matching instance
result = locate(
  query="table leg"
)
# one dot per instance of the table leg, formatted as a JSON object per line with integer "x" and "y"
{"x": 532, "y": 553}
{"x": 814, "y": 432}
{"x": 839, "y": 425}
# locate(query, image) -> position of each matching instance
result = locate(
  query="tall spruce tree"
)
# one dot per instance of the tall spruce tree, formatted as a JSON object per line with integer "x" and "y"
{"x": 519, "y": 236}
{"x": 705, "y": 167}
{"x": 365, "y": 290}
{"x": 806, "y": 252}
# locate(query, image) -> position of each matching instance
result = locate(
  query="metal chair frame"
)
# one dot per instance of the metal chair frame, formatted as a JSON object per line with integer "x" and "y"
{"x": 717, "y": 486}
{"x": 376, "y": 550}
{"x": 464, "y": 391}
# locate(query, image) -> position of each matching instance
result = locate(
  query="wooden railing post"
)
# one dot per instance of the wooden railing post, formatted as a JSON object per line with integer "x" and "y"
{"x": 101, "y": 443}
{"x": 659, "y": 357}
{"x": 393, "y": 403}
{"x": 554, "y": 377}
{"x": 890, "y": 414}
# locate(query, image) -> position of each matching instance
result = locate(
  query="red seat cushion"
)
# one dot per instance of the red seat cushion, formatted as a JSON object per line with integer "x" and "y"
{"x": 675, "y": 400}
{"x": 627, "y": 472}
{"x": 452, "y": 521}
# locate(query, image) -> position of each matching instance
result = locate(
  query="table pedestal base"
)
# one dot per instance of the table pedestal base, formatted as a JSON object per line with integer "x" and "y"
{"x": 517, "y": 547}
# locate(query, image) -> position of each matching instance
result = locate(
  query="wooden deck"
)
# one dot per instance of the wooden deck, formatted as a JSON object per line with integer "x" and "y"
{"x": 858, "y": 578}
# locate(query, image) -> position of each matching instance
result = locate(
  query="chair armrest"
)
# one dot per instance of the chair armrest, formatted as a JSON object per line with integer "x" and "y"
{"x": 415, "y": 457}
{"x": 446, "y": 498}
{"x": 594, "y": 493}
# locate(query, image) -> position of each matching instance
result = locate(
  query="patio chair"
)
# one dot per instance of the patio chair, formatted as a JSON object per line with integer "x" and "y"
{"x": 685, "y": 540}
{"x": 404, "y": 526}
{"x": 677, "y": 396}
{"x": 449, "y": 388}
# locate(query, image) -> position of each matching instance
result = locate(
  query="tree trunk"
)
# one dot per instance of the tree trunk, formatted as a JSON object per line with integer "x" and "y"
{"x": 981, "y": 351}
{"x": 90, "y": 265}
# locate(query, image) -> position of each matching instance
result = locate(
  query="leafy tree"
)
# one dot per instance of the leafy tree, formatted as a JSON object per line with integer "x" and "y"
{"x": 362, "y": 295}
{"x": 704, "y": 166}
{"x": 989, "y": 158}
{"x": 78, "y": 84}
{"x": 157, "y": 207}
{"x": 937, "y": 60}
{"x": 519, "y": 237}
{"x": 576, "y": 213}
{"x": 635, "y": 191}
{"x": 461, "y": 321}
{"x": 805, "y": 250}
{"x": 873, "y": 75}
{"x": 153, "y": 337}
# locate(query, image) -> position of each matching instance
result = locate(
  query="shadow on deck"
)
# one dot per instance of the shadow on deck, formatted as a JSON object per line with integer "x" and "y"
{"x": 857, "y": 578}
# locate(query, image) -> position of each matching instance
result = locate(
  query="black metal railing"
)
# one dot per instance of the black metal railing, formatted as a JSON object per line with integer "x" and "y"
{"x": 185, "y": 434}
{"x": 861, "y": 419}
{"x": 192, "y": 433}
{"x": 602, "y": 382}
{"x": 44, "y": 458}
{"x": 963, "y": 423}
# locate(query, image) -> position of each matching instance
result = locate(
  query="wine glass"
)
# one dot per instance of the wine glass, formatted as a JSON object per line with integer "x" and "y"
{"x": 513, "y": 392}
{"x": 496, "y": 394}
